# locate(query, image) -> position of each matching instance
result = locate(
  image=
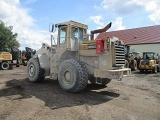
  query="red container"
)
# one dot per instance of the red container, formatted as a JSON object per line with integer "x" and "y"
{"x": 99, "y": 46}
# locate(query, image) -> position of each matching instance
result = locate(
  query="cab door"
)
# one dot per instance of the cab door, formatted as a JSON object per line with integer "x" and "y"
{"x": 62, "y": 41}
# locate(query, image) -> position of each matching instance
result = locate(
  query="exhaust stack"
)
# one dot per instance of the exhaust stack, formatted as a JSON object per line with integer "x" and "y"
{"x": 100, "y": 30}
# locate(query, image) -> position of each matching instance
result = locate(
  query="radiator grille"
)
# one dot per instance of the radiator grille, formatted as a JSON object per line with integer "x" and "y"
{"x": 119, "y": 54}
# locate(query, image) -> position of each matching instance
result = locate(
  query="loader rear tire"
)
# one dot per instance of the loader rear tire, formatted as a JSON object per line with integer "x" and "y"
{"x": 4, "y": 65}
{"x": 34, "y": 72}
{"x": 84, "y": 69}
{"x": 72, "y": 76}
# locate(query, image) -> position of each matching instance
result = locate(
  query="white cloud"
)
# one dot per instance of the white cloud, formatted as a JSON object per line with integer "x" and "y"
{"x": 12, "y": 14}
{"x": 151, "y": 7}
{"x": 97, "y": 19}
{"x": 155, "y": 17}
{"x": 118, "y": 24}
{"x": 12, "y": 2}
{"x": 117, "y": 6}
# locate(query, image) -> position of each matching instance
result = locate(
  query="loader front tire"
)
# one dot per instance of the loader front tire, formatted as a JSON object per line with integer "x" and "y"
{"x": 4, "y": 65}
{"x": 72, "y": 76}
{"x": 126, "y": 64}
{"x": 34, "y": 71}
{"x": 134, "y": 65}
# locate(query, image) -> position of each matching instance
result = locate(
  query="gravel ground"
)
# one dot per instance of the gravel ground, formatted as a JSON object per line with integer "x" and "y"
{"x": 136, "y": 97}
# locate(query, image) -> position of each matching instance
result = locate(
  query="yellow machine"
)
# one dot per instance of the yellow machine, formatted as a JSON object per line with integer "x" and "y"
{"x": 15, "y": 58}
{"x": 21, "y": 57}
{"x": 132, "y": 59}
{"x": 5, "y": 60}
{"x": 76, "y": 59}
{"x": 149, "y": 62}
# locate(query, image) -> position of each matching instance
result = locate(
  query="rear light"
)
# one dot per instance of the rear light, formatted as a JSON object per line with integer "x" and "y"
{"x": 99, "y": 46}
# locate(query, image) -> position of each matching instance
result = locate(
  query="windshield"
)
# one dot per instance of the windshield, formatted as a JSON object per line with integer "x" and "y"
{"x": 148, "y": 56}
{"x": 77, "y": 33}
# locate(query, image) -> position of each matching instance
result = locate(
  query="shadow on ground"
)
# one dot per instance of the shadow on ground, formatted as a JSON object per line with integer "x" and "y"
{"x": 54, "y": 97}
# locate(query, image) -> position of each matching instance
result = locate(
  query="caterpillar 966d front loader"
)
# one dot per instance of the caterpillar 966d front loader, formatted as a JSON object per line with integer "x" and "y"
{"x": 75, "y": 59}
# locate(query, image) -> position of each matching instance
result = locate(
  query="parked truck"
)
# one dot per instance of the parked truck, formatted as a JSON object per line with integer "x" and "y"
{"x": 75, "y": 59}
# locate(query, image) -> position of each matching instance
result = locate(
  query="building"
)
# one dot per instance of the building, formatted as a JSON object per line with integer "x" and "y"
{"x": 144, "y": 39}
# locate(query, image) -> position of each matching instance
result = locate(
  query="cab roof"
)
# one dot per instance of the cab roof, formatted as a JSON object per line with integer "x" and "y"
{"x": 72, "y": 23}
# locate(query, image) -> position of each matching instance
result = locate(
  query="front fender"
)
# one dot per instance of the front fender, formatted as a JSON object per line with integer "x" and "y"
{"x": 43, "y": 55}
{"x": 44, "y": 62}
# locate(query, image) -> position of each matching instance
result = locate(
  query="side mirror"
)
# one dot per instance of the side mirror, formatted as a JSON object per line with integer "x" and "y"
{"x": 51, "y": 27}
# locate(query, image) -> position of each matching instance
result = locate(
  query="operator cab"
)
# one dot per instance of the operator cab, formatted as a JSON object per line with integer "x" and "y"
{"x": 70, "y": 34}
{"x": 149, "y": 56}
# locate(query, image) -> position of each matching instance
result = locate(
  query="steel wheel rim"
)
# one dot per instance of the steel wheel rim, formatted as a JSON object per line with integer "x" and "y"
{"x": 68, "y": 77}
{"x": 5, "y": 65}
{"x": 31, "y": 70}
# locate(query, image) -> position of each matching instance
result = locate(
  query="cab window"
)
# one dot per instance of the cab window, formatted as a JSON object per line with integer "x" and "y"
{"x": 74, "y": 33}
{"x": 63, "y": 34}
{"x": 77, "y": 33}
{"x": 81, "y": 34}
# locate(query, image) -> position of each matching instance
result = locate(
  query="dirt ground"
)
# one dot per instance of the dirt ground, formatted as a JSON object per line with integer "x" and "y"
{"x": 134, "y": 98}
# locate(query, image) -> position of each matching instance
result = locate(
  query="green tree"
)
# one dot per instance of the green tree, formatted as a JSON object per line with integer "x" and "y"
{"x": 7, "y": 38}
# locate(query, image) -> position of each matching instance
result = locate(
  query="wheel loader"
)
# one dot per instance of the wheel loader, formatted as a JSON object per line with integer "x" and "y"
{"x": 9, "y": 59}
{"x": 149, "y": 62}
{"x": 17, "y": 57}
{"x": 21, "y": 57}
{"x": 132, "y": 59}
{"x": 74, "y": 60}
{"x": 5, "y": 60}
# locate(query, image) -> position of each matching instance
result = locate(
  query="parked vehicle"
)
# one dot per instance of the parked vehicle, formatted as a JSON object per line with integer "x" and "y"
{"x": 5, "y": 60}
{"x": 76, "y": 59}
{"x": 149, "y": 62}
{"x": 132, "y": 59}
{"x": 15, "y": 58}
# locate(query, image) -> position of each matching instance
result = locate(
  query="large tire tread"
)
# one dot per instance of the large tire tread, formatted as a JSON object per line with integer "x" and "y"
{"x": 39, "y": 77}
{"x": 5, "y": 66}
{"x": 134, "y": 67}
{"x": 82, "y": 80}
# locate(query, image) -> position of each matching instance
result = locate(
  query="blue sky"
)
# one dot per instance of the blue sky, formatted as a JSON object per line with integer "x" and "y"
{"x": 31, "y": 18}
